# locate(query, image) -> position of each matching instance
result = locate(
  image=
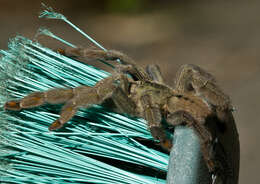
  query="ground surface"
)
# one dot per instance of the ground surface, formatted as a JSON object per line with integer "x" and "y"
{"x": 223, "y": 38}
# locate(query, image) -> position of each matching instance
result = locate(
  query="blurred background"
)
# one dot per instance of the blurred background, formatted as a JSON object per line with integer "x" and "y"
{"x": 223, "y": 37}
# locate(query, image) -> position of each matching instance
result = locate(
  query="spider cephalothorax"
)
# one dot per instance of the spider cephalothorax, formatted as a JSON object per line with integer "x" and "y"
{"x": 138, "y": 92}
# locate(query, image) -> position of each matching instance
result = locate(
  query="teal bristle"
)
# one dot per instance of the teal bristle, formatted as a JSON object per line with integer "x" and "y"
{"x": 50, "y": 14}
{"x": 89, "y": 147}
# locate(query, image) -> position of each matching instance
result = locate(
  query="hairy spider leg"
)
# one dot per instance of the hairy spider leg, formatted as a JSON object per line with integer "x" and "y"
{"x": 153, "y": 116}
{"x": 192, "y": 78}
{"x": 81, "y": 96}
{"x": 53, "y": 96}
{"x": 103, "y": 90}
{"x": 124, "y": 63}
{"x": 154, "y": 73}
{"x": 183, "y": 118}
{"x": 123, "y": 103}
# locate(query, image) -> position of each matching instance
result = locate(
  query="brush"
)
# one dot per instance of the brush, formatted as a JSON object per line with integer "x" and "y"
{"x": 96, "y": 146}
{"x": 93, "y": 145}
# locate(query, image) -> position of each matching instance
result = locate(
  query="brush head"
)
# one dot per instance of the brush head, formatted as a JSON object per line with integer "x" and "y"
{"x": 89, "y": 148}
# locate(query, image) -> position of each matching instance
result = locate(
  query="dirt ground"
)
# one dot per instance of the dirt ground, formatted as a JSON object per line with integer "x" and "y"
{"x": 222, "y": 37}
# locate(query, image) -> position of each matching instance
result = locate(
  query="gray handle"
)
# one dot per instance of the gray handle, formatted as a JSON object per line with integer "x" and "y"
{"x": 186, "y": 165}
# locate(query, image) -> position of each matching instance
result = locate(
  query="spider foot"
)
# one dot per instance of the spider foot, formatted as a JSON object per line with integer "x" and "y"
{"x": 32, "y": 100}
{"x": 12, "y": 105}
{"x": 55, "y": 125}
{"x": 208, "y": 155}
{"x": 160, "y": 134}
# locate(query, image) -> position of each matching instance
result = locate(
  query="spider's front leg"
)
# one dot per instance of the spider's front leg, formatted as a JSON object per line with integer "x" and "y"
{"x": 109, "y": 87}
{"x": 53, "y": 96}
{"x": 82, "y": 96}
{"x": 124, "y": 64}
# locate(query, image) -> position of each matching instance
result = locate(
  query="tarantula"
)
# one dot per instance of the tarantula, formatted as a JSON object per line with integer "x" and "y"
{"x": 142, "y": 93}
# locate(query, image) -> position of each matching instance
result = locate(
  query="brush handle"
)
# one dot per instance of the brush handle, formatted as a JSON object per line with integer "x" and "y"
{"x": 186, "y": 165}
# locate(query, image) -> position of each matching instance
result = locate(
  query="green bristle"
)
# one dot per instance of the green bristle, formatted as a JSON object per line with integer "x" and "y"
{"x": 50, "y": 14}
{"x": 44, "y": 31}
{"x": 83, "y": 149}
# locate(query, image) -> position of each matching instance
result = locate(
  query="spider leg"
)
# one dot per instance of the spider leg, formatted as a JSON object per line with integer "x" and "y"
{"x": 110, "y": 87}
{"x": 67, "y": 112}
{"x": 182, "y": 117}
{"x": 124, "y": 63}
{"x": 153, "y": 116}
{"x": 53, "y": 96}
{"x": 123, "y": 103}
{"x": 191, "y": 78}
{"x": 154, "y": 73}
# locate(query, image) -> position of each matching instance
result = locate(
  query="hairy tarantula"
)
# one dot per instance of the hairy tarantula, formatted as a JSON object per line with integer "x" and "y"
{"x": 142, "y": 93}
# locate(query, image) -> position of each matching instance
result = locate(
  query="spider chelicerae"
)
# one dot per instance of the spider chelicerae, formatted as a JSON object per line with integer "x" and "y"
{"x": 142, "y": 93}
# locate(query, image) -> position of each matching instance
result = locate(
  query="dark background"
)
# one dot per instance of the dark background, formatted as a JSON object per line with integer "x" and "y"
{"x": 222, "y": 37}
